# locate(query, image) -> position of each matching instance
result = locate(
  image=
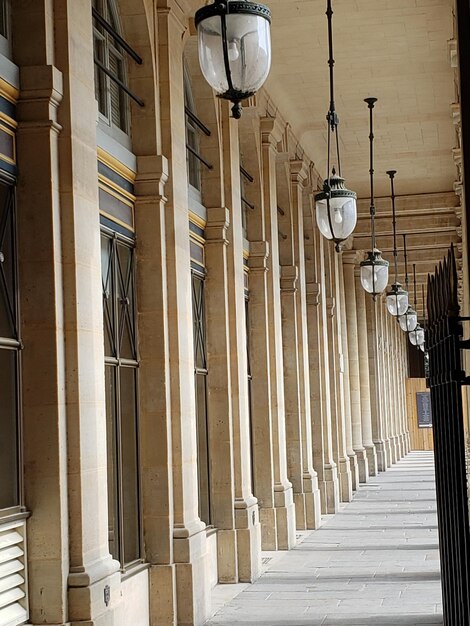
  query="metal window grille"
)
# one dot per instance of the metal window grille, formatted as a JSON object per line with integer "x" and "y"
{"x": 200, "y": 382}
{"x": 194, "y": 129}
{"x": 122, "y": 388}
{"x": 111, "y": 84}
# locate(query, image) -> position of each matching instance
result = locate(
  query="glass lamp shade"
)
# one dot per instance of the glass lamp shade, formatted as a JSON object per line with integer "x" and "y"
{"x": 234, "y": 43}
{"x": 397, "y": 300}
{"x": 374, "y": 273}
{"x": 417, "y": 336}
{"x": 409, "y": 320}
{"x": 336, "y": 211}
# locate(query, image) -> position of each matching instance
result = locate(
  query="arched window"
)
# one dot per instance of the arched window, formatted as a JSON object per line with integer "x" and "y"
{"x": 5, "y": 28}
{"x": 112, "y": 100}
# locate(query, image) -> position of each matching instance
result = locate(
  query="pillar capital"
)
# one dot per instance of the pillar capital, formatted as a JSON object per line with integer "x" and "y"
{"x": 152, "y": 174}
{"x": 298, "y": 171}
{"x": 259, "y": 254}
{"x": 218, "y": 221}
{"x": 40, "y": 96}
{"x": 352, "y": 257}
{"x": 331, "y": 306}
{"x": 289, "y": 278}
{"x": 272, "y": 130}
{"x": 313, "y": 293}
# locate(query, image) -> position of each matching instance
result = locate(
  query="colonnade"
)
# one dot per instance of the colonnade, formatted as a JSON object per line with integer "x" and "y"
{"x": 323, "y": 407}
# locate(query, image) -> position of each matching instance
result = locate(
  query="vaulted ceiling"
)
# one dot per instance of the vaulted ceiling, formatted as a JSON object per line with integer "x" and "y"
{"x": 398, "y": 51}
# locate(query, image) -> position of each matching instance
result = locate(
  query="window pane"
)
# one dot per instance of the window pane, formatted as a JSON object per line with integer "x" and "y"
{"x": 111, "y": 445}
{"x": 4, "y": 17}
{"x": 199, "y": 331}
{"x": 125, "y": 302}
{"x": 9, "y": 469}
{"x": 7, "y": 265}
{"x": 100, "y": 76}
{"x": 130, "y": 480}
{"x": 202, "y": 448}
{"x": 108, "y": 295}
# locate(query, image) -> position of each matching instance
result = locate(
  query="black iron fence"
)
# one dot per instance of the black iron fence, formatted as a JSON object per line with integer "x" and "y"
{"x": 444, "y": 343}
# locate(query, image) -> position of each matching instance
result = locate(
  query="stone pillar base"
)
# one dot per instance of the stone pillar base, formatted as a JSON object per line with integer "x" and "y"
{"x": 345, "y": 480}
{"x": 227, "y": 562}
{"x": 372, "y": 459}
{"x": 388, "y": 449}
{"x": 399, "y": 445}
{"x": 405, "y": 442}
{"x": 192, "y": 588}
{"x": 381, "y": 453}
{"x": 354, "y": 470}
{"x": 284, "y": 517}
{"x": 312, "y": 492}
{"x": 88, "y": 588}
{"x": 394, "y": 450}
{"x": 363, "y": 465}
{"x": 329, "y": 489}
{"x": 248, "y": 541}
{"x": 162, "y": 594}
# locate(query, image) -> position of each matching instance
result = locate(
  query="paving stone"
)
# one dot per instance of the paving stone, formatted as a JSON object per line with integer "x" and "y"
{"x": 375, "y": 562}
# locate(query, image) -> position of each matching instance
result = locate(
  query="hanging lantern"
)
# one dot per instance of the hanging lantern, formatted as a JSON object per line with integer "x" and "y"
{"x": 417, "y": 336}
{"x": 336, "y": 209}
{"x": 374, "y": 269}
{"x": 374, "y": 273}
{"x": 409, "y": 320}
{"x": 234, "y": 42}
{"x": 336, "y": 212}
{"x": 397, "y": 297}
{"x": 397, "y": 300}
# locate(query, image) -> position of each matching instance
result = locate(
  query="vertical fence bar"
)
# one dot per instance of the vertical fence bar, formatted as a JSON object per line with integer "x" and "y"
{"x": 446, "y": 378}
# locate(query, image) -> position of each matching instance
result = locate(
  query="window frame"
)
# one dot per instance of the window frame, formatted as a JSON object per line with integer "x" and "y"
{"x": 14, "y": 344}
{"x": 115, "y": 364}
{"x": 109, "y": 11}
{"x": 5, "y": 40}
{"x": 198, "y": 273}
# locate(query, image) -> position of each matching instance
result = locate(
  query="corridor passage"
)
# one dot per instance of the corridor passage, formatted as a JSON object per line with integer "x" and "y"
{"x": 376, "y": 562}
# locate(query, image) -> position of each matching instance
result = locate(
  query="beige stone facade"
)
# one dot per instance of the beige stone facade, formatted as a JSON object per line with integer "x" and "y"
{"x": 198, "y": 373}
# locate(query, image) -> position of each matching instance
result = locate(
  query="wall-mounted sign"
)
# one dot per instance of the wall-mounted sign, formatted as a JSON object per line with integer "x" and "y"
{"x": 423, "y": 401}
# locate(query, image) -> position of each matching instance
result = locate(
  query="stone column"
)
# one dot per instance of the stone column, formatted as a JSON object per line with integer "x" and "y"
{"x": 189, "y": 534}
{"x": 388, "y": 371}
{"x": 346, "y": 384}
{"x": 292, "y": 336}
{"x": 278, "y": 515}
{"x": 155, "y": 413}
{"x": 363, "y": 344}
{"x": 396, "y": 389}
{"x": 91, "y": 568}
{"x": 298, "y": 173}
{"x": 385, "y": 383}
{"x": 375, "y": 375}
{"x": 329, "y": 484}
{"x": 44, "y": 418}
{"x": 247, "y": 526}
{"x": 404, "y": 362}
{"x": 349, "y": 261}
{"x": 337, "y": 379}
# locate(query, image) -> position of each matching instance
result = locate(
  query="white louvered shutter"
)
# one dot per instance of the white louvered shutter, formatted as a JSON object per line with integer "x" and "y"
{"x": 13, "y": 584}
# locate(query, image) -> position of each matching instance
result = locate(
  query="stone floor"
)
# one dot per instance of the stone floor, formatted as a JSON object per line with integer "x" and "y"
{"x": 375, "y": 562}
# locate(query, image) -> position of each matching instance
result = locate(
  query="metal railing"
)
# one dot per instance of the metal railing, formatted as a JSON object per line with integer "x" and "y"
{"x": 446, "y": 378}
